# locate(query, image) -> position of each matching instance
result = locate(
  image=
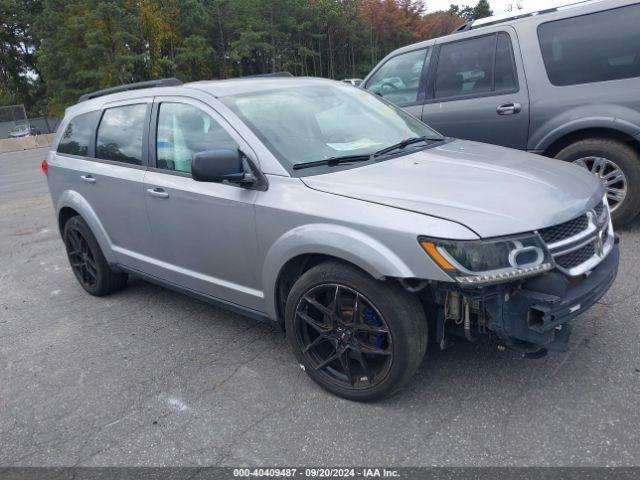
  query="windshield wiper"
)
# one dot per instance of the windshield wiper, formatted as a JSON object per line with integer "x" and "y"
{"x": 363, "y": 158}
{"x": 404, "y": 143}
{"x": 333, "y": 161}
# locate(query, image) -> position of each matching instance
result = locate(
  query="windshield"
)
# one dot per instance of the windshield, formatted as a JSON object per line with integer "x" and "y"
{"x": 318, "y": 122}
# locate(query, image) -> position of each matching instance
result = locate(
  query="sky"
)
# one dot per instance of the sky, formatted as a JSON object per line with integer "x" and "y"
{"x": 498, "y": 6}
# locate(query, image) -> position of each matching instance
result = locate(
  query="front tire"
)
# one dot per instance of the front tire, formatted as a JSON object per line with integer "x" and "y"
{"x": 617, "y": 165}
{"x": 357, "y": 337}
{"x": 87, "y": 261}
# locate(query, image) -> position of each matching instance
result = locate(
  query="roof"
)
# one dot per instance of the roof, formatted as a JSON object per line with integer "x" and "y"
{"x": 216, "y": 88}
{"x": 516, "y": 18}
{"x": 239, "y": 86}
{"x": 518, "y": 14}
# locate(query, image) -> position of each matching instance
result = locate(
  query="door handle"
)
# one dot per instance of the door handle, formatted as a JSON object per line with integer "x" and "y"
{"x": 509, "y": 108}
{"x": 87, "y": 179}
{"x": 157, "y": 192}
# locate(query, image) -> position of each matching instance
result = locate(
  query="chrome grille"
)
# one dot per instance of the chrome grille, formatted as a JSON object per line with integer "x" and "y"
{"x": 598, "y": 209}
{"x": 580, "y": 244}
{"x": 577, "y": 257}
{"x": 564, "y": 230}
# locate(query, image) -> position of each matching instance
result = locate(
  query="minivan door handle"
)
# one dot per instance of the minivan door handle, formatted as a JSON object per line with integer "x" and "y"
{"x": 87, "y": 179}
{"x": 509, "y": 108}
{"x": 157, "y": 192}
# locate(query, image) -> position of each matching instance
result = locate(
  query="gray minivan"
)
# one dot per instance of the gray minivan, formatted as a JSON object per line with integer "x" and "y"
{"x": 564, "y": 83}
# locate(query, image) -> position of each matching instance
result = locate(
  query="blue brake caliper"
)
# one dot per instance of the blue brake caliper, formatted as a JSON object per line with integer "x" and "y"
{"x": 371, "y": 319}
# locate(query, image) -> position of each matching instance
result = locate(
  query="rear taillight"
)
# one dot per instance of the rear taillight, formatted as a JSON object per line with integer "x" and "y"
{"x": 45, "y": 167}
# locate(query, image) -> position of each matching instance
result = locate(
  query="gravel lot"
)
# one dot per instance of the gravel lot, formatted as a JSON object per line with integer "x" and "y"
{"x": 151, "y": 377}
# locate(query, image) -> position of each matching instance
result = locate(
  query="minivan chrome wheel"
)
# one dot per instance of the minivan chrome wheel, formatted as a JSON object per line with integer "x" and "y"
{"x": 611, "y": 176}
{"x": 344, "y": 336}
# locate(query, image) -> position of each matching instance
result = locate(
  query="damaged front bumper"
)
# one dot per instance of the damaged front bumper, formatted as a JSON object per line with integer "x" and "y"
{"x": 537, "y": 315}
{"x": 532, "y": 316}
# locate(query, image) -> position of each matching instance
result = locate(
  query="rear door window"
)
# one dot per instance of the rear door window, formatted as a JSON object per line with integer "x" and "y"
{"x": 398, "y": 80}
{"x": 120, "y": 134}
{"x": 476, "y": 67}
{"x": 505, "y": 69}
{"x": 591, "y": 48}
{"x": 78, "y": 134}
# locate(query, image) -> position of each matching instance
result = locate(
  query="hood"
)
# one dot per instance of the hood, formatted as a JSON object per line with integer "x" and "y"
{"x": 492, "y": 190}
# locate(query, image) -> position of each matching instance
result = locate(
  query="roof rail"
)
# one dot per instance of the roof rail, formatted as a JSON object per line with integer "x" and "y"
{"x": 273, "y": 74}
{"x": 163, "y": 82}
{"x": 463, "y": 28}
{"x": 484, "y": 22}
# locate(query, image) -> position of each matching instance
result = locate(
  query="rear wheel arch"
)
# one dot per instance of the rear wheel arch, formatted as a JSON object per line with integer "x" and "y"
{"x": 70, "y": 204}
{"x": 64, "y": 215}
{"x": 590, "y": 133}
{"x": 615, "y": 158}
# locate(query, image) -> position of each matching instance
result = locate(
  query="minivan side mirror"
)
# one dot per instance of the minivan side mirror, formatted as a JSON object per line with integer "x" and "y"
{"x": 218, "y": 165}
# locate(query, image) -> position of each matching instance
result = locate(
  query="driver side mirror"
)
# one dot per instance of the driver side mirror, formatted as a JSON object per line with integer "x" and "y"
{"x": 219, "y": 165}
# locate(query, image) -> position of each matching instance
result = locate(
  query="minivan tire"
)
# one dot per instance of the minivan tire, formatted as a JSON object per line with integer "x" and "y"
{"x": 625, "y": 157}
{"x": 103, "y": 279}
{"x": 400, "y": 314}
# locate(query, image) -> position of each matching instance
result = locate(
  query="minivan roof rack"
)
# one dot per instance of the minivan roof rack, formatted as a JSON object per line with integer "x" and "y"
{"x": 484, "y": 22}
{"x": 163, "y": 82}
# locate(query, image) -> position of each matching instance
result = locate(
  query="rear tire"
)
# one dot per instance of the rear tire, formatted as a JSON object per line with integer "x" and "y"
{"x": 87, "y": 261}
{"x": 613, "y": 154}
{"x": 378, "y": 329}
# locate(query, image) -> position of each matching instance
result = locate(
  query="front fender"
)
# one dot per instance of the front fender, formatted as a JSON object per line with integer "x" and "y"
{"x": 74, "y": 200}
{"x": 338, "y": 241}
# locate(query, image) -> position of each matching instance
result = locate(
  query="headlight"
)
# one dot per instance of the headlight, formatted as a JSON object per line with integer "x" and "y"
{"x": 482, "y": 262}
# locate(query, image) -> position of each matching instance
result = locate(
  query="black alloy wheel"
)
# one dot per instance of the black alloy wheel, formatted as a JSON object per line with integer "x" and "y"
{"x": 81, "y": 258}
{"x": 357, "y": 337}
{"x": 344, "y": 336}
{"x": 88, "y": 263}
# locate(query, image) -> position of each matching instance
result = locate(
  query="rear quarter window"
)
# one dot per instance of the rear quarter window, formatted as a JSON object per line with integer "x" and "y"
{"x": 77, "y": 135}
{"x": 591, "y": 48}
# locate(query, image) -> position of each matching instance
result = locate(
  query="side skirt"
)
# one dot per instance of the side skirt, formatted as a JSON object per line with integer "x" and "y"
{"x": 232, "y": 307}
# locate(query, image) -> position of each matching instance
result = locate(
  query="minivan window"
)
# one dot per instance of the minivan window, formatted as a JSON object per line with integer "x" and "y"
{"x": 398, "y": 79}
{"x": 78, "y": 133}
{"x": 120, "y": 134}
{"x": 184, "y": 130}
{"x": 592, "y": 48}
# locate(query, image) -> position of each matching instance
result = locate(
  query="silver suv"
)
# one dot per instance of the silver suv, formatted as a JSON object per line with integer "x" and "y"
{"x": 334, "y": 214}
{"x": 563, "y": 83}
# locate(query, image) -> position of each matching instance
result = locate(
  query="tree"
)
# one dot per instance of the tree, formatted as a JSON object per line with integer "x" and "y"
{"x": 466, "y": 12}
{"x": 437, "y": 24}
{"x": 482, "y": 10}
{"x": 55, "y": 50}
{"x": 19, "y": 80}
{"x": 511, "y": 6}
